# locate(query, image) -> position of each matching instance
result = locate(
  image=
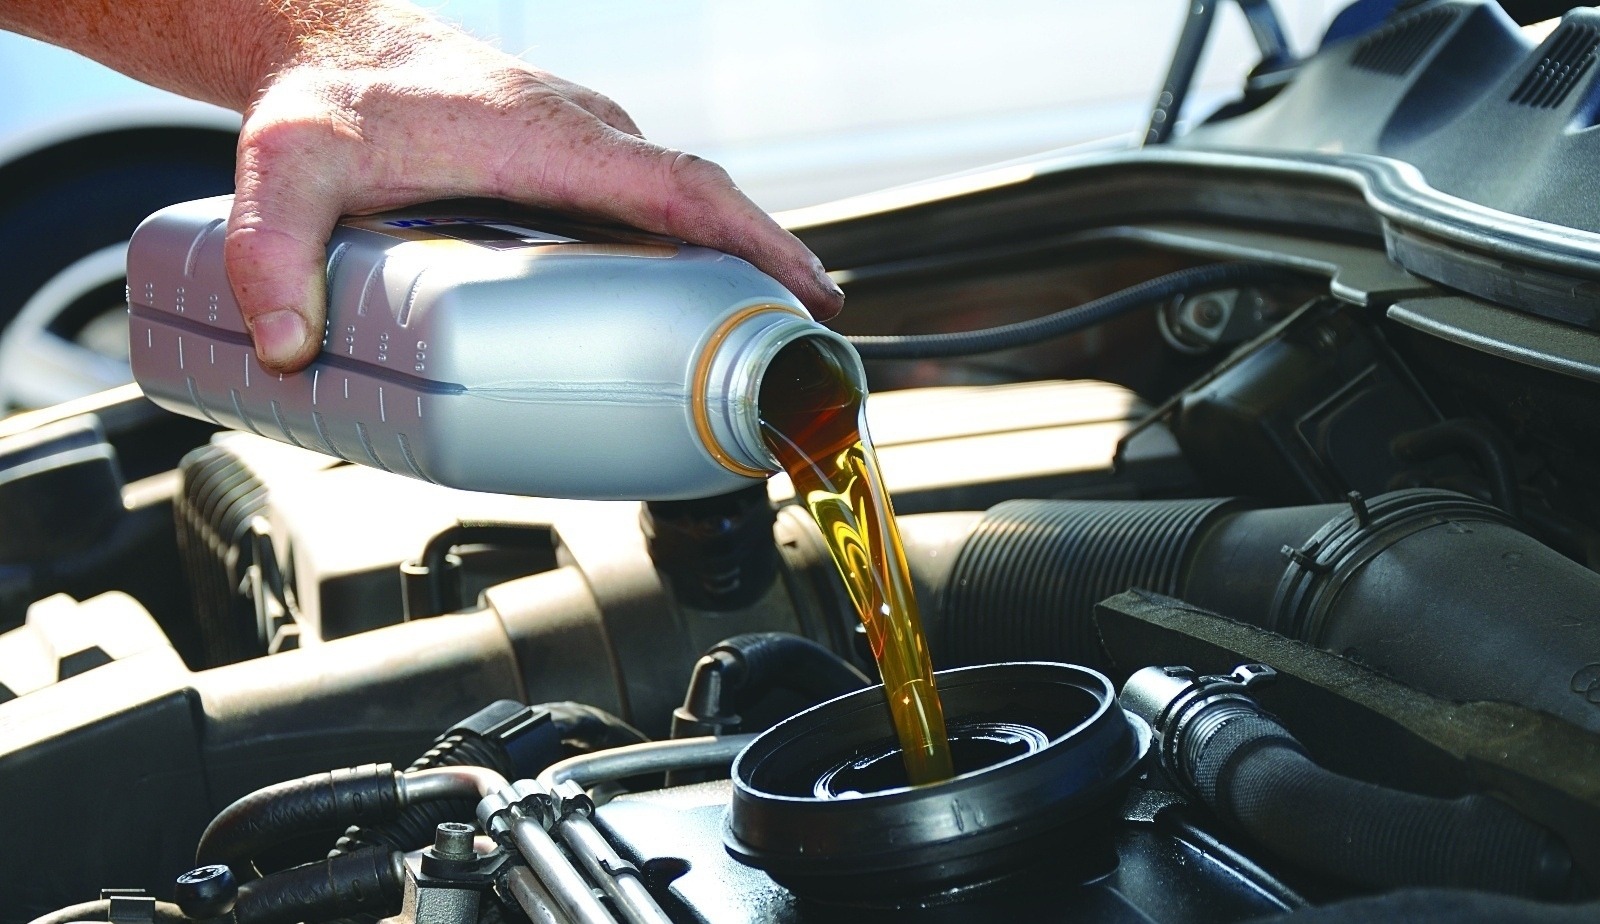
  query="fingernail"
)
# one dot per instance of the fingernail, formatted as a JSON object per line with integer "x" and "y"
{"x": 280, "y": 336}
{"x": 826, "y": 282}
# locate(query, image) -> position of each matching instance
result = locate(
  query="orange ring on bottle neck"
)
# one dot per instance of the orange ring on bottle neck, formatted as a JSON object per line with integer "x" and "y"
{"x": 702, "y": 384}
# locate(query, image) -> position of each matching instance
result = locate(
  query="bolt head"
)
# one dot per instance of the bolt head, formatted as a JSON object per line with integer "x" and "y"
{"x": 206, "y": 892}
{"x": 453, "y": 840}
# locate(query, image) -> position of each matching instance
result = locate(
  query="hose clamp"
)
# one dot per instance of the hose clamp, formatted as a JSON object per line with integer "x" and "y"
{"x": 522, "y": 799}
{"x": 568, "y": 799}
{"x": 1179, "y": 707}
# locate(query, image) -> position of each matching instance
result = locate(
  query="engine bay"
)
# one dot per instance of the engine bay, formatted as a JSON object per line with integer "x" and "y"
{"x": 1269, "y": 598}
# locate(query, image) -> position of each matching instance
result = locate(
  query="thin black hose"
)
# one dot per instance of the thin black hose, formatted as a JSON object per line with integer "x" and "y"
{"x": 431, "y": 585}
{"x": 482, "y": 532}
{"x": 738, "y": 671}
{"x": 100, "y": 910}
{"x": 590, "y": 728}
{"x": 1475, "y": 439}
{"x": 780, "y": 659}
{"x": 1071, "y": 320}
{"x": 581, "y": 727}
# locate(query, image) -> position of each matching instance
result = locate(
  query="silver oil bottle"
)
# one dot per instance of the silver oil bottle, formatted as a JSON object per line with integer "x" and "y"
{"x": 485, "y": 350}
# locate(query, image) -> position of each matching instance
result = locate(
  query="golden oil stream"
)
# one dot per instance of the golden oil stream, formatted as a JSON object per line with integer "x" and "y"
{"x": 812, "y": 419}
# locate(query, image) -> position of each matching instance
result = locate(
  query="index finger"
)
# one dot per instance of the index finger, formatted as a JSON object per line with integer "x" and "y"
{"x": 603, "y": 171}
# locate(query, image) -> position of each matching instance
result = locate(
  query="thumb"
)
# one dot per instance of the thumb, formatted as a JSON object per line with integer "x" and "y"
{"x": 275, "y": 253}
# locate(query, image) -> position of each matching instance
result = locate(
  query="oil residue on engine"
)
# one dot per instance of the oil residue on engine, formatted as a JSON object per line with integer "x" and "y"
{"x": 811, "y": 418}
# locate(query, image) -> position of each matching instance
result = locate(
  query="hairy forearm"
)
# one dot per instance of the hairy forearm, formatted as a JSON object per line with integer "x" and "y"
{"x": 220, "y": 51}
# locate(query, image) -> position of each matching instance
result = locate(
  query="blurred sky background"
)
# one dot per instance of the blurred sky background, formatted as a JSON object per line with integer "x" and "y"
{"x": 809, "y": 100}
{"x": 803, "y": 101}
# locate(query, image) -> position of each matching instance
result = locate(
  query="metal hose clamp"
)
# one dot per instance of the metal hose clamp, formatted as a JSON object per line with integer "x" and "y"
{"x": 1185, "y": 710}
{"x": 522, "y": 799}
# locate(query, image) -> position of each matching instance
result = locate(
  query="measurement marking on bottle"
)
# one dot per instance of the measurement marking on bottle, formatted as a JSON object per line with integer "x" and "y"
{"x": 197, "y": 243}
{"x": 366, "y": 287}
{"x": 247, "y": 368}
{"x": 366, "y": 443}
{"x": 150, "y": 338}
{"x": 411, "y": 299}
{"x": 180, "y": 351}
{"x": 277, "y": 414}
{"x": 383, "y": 415}
{"x": 347, "y": 388}
{"x": 315, "y": 375}
{"x": 213, "y": 349}
{"x": 322, "y": 432}
{"x": 194, "y": 396}
{"x": 238, "y": 409}
{"x": 411, "y": 459}
{"x": 419, "y": 407}
{"x": 335, "y": 258}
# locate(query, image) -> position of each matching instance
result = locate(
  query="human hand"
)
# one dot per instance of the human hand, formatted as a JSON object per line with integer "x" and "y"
{"x": 379, "y": 114}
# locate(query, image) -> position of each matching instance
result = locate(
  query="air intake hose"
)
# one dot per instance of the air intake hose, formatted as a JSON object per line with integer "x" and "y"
{"x": 1391, "y": 581}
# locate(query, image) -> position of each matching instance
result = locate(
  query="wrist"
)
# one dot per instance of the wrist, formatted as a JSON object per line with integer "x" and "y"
{"x": 359, "y": 34}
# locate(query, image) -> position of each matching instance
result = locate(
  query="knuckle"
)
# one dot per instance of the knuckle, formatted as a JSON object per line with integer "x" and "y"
{"x": 691, "y": 174}
{"x": 249, "y": 261}
{"x": 280, "y": 138}
{"x": 510, "y": 89}
{"x": 293, "y": 121}
{"x": 606, "y": 108}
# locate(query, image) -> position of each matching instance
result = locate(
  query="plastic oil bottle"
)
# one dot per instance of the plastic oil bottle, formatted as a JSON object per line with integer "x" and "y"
{"x": 476, "y": 347}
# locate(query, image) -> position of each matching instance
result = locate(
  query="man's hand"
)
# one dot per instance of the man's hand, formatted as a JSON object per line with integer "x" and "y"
{"x": 438, "y": 115}
{"x": 362, "y": 106}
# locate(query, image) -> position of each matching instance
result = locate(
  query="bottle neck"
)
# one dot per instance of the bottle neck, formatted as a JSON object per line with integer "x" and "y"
{"x": 727, "y": 387}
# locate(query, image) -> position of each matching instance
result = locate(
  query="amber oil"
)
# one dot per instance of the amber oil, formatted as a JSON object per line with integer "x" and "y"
{"x": 812, "y": 420}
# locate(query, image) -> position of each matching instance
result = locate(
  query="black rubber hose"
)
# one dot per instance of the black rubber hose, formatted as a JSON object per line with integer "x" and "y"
{"x": 431, "y": 585}
{"x": 1071, "y": 320}
{"x": 1251, "y": 771}
{"x": 791, "y": 662}
{"x": 587, "y": 728}
{"x": 581, "y": 727}
{"x": 482, "y": 532}
{"x": 413, "y": 826}
{"x": 1475, "y": 439}
{"x": 100, "y": 910}
{"x": 370, "y": 881}
{"x": 273, "y": 815}
{"x": 738, "y": 671}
